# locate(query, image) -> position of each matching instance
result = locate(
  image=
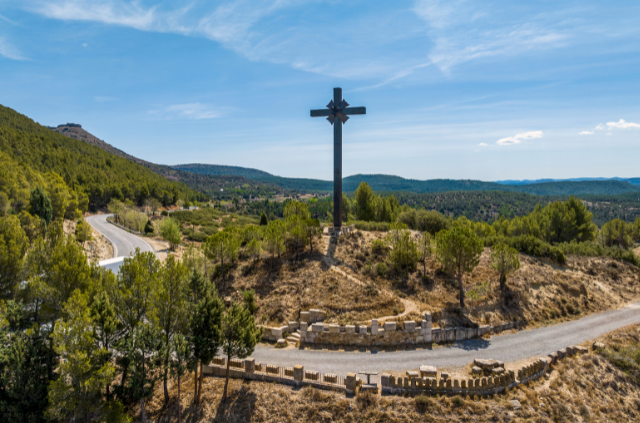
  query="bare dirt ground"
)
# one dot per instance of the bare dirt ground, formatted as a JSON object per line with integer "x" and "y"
{"x": 595, "y": 387}
{"x": 98, "y": 249}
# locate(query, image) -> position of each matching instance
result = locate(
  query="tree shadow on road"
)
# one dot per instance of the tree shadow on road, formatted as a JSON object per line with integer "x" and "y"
{"x": 473, "y": 344}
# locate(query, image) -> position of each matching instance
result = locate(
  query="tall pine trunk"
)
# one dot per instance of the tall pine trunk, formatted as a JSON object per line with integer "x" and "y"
{"x": 179, "y": 403}
{"x": 165, "y": 380}
{"x": 144, "y": 415}
{"x": 226, "y": 382}
{"x": 503, "y": 279}
{"x": 461, "y": 290}
{"x": 195, "y": 385}
{"x": 200, "y": 382}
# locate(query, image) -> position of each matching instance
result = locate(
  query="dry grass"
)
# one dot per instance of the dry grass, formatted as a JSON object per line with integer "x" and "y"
{"x": 99, "y": 248}
{"x": 588, "y": 388}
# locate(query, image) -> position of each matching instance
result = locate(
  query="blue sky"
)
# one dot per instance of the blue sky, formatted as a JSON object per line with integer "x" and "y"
{"x": 457, "y": 89}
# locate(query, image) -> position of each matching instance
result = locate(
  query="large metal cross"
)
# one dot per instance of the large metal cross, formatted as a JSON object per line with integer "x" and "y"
{"x": 337, "y": 112}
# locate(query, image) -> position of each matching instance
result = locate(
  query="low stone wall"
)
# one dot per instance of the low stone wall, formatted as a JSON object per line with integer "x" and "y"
{"x": 389, "y": 333}
{"x": 292, "y": 376}
{"x": 455, "y": 386}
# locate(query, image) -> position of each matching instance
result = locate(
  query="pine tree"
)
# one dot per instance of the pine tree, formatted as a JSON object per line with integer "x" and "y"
{"x": 83, "y": 231}
{"x": 239, "y": 336}
{"x": 504, "y": 260}
{"x": 263, "y": 219}
{"x": 13, "y": 247}
{"x": 181, "y": 354}
{"x": 204, "y": 334}
{"x": 458, "y": 251}
{"x": 41, "y": 205}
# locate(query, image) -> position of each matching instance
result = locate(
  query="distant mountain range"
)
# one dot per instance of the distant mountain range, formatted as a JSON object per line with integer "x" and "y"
{"x": 397, "y": 183}
{"x": 633, "y": 181}
{"x": 211, "y": 178}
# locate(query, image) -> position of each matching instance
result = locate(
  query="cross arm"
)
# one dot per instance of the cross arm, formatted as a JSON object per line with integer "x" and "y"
{"x": 320, "y": 113}
{"x": 346, "y": 111}
{"x": 354, "y": 111}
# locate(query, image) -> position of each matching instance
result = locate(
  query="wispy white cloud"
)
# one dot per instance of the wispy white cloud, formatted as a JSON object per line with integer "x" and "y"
{"x": 463, "y": 31}
{"x": 600, "y": 127}
{"x": 622, "y": 124}
{"x": 195, "y": 111}
{"x": 517, "y": 139}
{"x": 9, "y": 51}
{"x": 586, "y": 133}
{"x": 482, "y": 144}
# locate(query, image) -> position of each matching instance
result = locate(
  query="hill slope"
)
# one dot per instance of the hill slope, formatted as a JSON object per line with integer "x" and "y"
{"x": 32, "y": 154}
{"x": 206, "y": 183}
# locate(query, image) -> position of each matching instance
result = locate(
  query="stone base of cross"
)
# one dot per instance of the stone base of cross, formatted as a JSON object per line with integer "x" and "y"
{"x": 337, "y": 113}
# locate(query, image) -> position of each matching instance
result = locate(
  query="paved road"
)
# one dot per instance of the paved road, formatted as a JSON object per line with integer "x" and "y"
{"x": 124, "y": 242}
{"x": 511, "y": 347}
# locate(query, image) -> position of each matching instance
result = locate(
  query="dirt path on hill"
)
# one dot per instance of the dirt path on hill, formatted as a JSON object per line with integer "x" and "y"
{"x": 332, "y": 264}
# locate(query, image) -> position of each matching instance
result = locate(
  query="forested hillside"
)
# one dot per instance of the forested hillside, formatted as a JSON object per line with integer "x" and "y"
{"x": 488, "y": 206}
{"x": 397, "y": 183}
{"x": 33, "y": 155}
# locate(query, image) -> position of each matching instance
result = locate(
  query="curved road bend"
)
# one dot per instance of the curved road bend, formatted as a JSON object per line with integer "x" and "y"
{"x": 510, "y": 347}
{"x": 124, "y": 242}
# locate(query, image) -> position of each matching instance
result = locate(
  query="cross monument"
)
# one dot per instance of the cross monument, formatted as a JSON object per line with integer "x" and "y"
{"x": 337, "y": 108}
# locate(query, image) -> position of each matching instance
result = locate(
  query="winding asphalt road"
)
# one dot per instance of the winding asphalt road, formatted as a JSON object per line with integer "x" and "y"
{"x": 511, "y": 347}
{"x": 124, "y": 243}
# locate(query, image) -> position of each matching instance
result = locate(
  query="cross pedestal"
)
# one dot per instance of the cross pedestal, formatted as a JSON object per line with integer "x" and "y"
{"x": 337, "y": 113}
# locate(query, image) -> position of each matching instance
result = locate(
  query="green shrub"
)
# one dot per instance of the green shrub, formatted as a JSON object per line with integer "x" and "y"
{"x": 528, "y": 244}
{"x": 164, "y": 213}
{"x": 378, "y": 246}
{"x": 381, "y": 269}
{"x": 591, "y": 249}
{"x": 148, "y": 228}
{"x": 372, "y": 226}
{"x": 424, "y": 403}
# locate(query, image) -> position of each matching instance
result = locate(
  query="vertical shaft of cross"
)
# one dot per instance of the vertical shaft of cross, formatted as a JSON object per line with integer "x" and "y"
{"x": 337, "y": 164}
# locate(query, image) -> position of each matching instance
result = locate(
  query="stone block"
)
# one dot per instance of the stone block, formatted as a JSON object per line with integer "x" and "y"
{"x": 350, "y": 329}
{"x": 298, "y": 373}
{"x": 330, "y": 378}
{"x": 485, "y": 364}
{"x": 351, "y": 382}
{"x": 317, "y": 327}
{"x": 413, "y": 374}
{"x": 277, "y": 332}
{"x": 321, "y": 315}
{"x": 410, "y": 326}
{"x": 305, "y": 317}
{"x": 428, "y": 371}
{"x": 553, "y": 357}
{"x": 236, "y": 363}
{"x": 581, "y": 350}
{"x": 484, "y": 382}
{"x": 219, "y": 361}
{"x": 362, "y": 330}
{"x": 407, "y": 382}
{"x": 472, "y": 333}
{"x": 288, "y": 371}
{"x": 334, "y": 328}
{"x": 272, "y": 369}
{"x": 598, "y": 346}
{"x": 450, "y": 335}
{"x": 374, "y": 327}
{"x": 497, "y": 371}
{"x": 463, "y": 384}
{"x": 448, "y": 384}
{"x": 562, "y": 354}
{"x": 456, "y": 384}
{"x": 441, "y": 384}
{"x": 282, "y": 342}
{"x": 475, "y": 370}
{"x": 293, "y": 326}
{"x": 476, "y": 383}
{"x": 461, "y": 334}
{"x": 310, "y": 375}
{"x": 313, "y": 315}
{"x": 249, "y": 365}
{"x": 427, "y": 316}
{"x": 389, "y": 326}
{"x": 303, "y": 328}
{"x": 384, "y": 379}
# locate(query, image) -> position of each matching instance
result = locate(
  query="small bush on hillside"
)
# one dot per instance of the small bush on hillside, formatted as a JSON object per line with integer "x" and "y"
{"x": 164, "y": 213}
{"x": 367, "y": 400}
{"x": 378, "y": 246}
{"x": 424, "y": 403}
{"x": 528, "y": 244}
{"x": 372, "y": 226}
{"x": 591, "y": 249}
